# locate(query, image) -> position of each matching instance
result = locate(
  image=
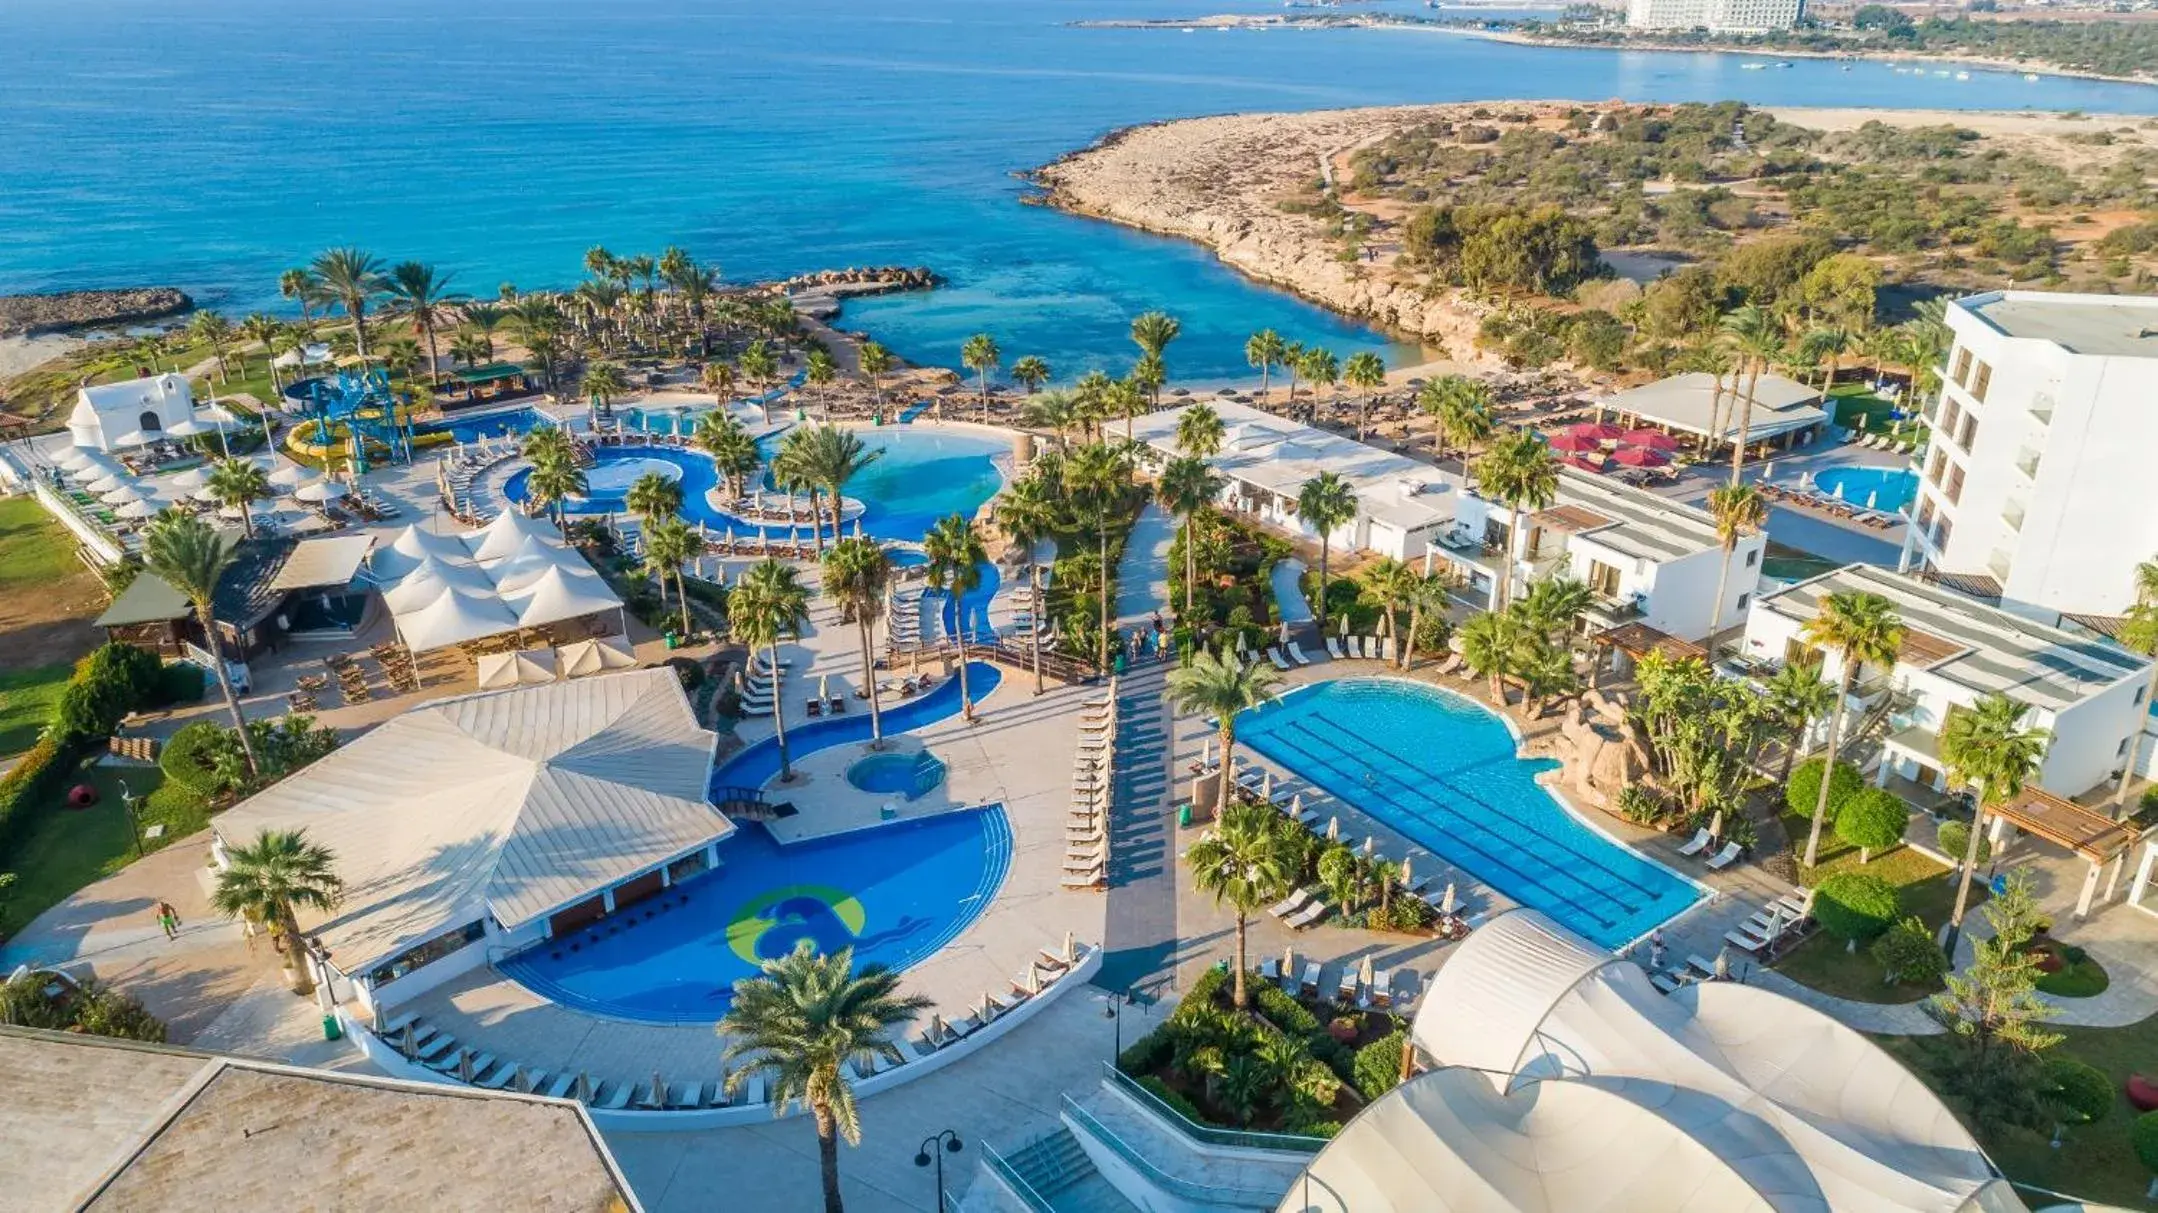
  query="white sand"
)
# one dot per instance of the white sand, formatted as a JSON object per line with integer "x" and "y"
{"x": 19, "y": 354}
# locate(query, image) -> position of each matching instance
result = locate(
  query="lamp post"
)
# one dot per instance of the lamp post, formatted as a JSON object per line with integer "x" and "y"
{"x": 134, "y": 815}
{"x": 933, "y": 1150}
{"x": 1113, "y": 1008}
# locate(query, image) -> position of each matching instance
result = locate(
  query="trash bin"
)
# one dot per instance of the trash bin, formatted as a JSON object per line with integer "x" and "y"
{"x": 331, "y": 1029}
{"x": 1183, "y": 815}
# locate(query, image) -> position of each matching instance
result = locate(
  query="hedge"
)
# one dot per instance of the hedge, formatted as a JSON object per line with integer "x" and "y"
{"x": 2083, "y": 1091}
{"x": 186, "y": 759}
{"x": 1803, "y": 793}
{"x": 1854, "y": 905}
{"x": 1285, "y": 1012}
{"x": 1378, "y": 1064}
{"x": 35, "y": 782}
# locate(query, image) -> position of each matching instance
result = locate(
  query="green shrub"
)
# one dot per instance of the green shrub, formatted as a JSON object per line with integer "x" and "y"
{"x": 1955, "y": 840}
{"x": 1316, "y": 1126}
{"x": 179, "y": 682}
{"x": 1203, "y": 997}
{"x": 1639, "y": 804}
{"x": 1803, "y": 793}
{"x": 103, "y": 1011}
{"x": 1144, "y": 1054}
{"x": 34, "y": 782}
{"x": 2143, "y": 1136}
{"x": 1906, "y": 953}
{"x": 1336, "y": 1056}
{"x": 1378, "y": 1065}
{"x": 1283, "y": 1011}
{"x": 1872, "y": 820}
{"x": 1168, "y": 1095}
{"x": 112, "y": 681}
{"x": 188, "y": 759}
{"x": 1854, "y": 905}
{"x": 2083, "y": 1092}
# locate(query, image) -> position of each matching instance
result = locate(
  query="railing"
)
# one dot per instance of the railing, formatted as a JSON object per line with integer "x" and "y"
{"x": 1247, "y": 1198}
{"x": 1293, "y": 1143}
{"x": 1015, "y": 1181}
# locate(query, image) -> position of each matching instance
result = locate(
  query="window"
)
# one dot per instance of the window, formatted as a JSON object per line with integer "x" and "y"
{"x": 1753, "y": 558}
{"x": 1940, "y": 532}
{"x": 427, "y": 953}
{"x": 1934, "y": 465}
{"x": 1969, "y": 433}
{"x": 1925, "y": 512}
{"x": 1951, "y": 412}
{"x": 1962, "y": 371}
{"x": 1743, "y": 599}
{"x": 2141, "y": 691}
{"x": 1980, "y": 381}
{"x": 1603, "y": 578}
{"x": 1954, "y": 487}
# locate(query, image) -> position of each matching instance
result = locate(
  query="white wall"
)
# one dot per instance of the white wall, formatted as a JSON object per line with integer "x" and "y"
{"x": 2087, "y": 738}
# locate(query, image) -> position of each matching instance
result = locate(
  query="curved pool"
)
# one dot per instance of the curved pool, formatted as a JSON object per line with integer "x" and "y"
{"x": 910, "y": 775}
{"x": 894, "y": 893}
{"x": 1444, "y": 772}
{"x": 1889, "y": 489}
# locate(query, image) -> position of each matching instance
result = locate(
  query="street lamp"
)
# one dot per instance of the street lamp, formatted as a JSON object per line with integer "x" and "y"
{"x": 134, "y": 815}
{"x": 933, "y": 1150}
{"x": 1113, "y": 1008}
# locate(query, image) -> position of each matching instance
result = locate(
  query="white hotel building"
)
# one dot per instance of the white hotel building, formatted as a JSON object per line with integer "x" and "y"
{"x": 1715, "y": 16}
{"x": 2037, "y": 484}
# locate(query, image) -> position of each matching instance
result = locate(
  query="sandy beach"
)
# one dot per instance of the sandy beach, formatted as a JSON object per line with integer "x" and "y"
{"x": 20, "y": 354}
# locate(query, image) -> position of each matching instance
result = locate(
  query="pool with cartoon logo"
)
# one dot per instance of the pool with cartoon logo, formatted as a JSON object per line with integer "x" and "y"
{"x": 894, "y": 893}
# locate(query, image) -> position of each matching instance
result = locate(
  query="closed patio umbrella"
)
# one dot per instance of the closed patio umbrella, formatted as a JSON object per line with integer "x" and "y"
{"x": 1266, "y": 785}
{"x": 108, "y": 482}
{"x": 1723, "y": 963}
{"x": 1715, "y": 825}
{"x": 1447, "y": 904}
{"x": 1408, "y": 871}
{"x": 937, "y": 1030}
{"x": 121, "y": 495}
{"x": 1296, "y": 805}
{"x": 1071, "y": 949}
{"x": 464, "y": 1065}
{"x": 1333, "y": 829}
{"x": 583, "y": 1089}
{"x": 1363, "y": 971}
{"x": 1369, "y": 846}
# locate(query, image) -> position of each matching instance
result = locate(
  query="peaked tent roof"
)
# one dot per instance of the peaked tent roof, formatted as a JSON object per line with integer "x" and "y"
{"x": 401, "y": 555}
{"x": 510, "y": 803}
{"x": 558, "y": 595}
{"x": 592, "y": 657}
{"x": 454, "y": 617}
{"x": 506, "y": 534}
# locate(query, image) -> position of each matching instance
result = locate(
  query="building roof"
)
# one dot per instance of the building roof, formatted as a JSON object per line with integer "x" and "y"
{"x": 1685, "y": 402}
{"x": 513, "y": 573}
{"x": 331, "y": 560}
{"x": 1566, "y": 1081}
{"x": 246, "y": 592}
{"x": 1981, "y": 648}
{"x": 2108, "y": 326}
{"x": 509, "y": 803}
{"x": 100, "y": 1124}
{"x": 490, "y": 373}
{"x": 1637, "y": 522}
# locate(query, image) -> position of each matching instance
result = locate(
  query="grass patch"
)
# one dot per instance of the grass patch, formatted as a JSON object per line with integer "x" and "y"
{"x": 26, "y": 701}
{"x": 1924, "y": 889}
{"x": 1849, "y": 402}
{"x": 34, "y": 549}
{"x": 64, "y": 849}
{"x": 2083, "y": 978}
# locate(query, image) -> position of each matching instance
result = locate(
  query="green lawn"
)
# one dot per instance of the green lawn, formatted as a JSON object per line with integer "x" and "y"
{"x": 1850, "y": 401}
{"x": 34, "y": 549}
{"x": 26, "y": 699}
{"x": 2083, "y": 978}
{"x": 1924, "y": 889}
{"x": 65, "y": 849}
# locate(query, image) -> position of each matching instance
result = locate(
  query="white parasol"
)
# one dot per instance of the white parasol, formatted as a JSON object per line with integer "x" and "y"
{"x": 1446, "y": 901}
{"x": 205, "y": 493}
{"x": 1408, "y": 871}
{"x": 1363, "y": 970}
{"x": 193, "y": 478}
{"x": 121, "y": 495}
{"x": 1333, "y": 829}
{"x": 318, "y": 491}
{"x": 109, "y": 481}
{"x": 1715, "y": 825}
{"x": 290, "y": 475}
{"x": 133, "y": 438}
{"x": 142, "y": 508}
{"x": 1368, "y": 845}
{"x": 75, "y": 456}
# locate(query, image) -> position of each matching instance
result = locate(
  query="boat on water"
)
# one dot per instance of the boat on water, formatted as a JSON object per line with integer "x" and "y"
{"x": 1753, "y": 67}
{"x": 1963, "y": 75}
{"x": 2032, "y": 76}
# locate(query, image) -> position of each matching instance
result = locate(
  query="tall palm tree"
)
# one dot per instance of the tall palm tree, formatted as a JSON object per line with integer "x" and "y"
{"x": 857, "y": 575}
{"x": 769, "y": 601}
{"x": 299, "y": 285}
{"x": 1030, "y": 372}
{"x": 1499, "y": 645}
{"x": 604, "y": 384}
{"x": 668, "y": 545}
{"x": 761, "y": 368}
{"x": 1797, "y": 696}
{"x": 351, "y": 278}
{"x": 1152, "y": 332}
{"x": 718, "y": 379}
{"x": 1247, "y": 861}
{"x": 1460, "y": 410}
{"x": 1326, "y": 503}
{"x": 1323, "y": 369}
{"x": 1393, "y": 583}
{"x": 268, "y": 881}
{"x": 1092, "y": 402}
{"x": 1987, "y": 749}
{"x": 835, "y": 457}
{"x": 1739, "y": 510}
{"x": 956, "y": 555}
{"x": 734, "y": 453}
{"x": 1095, "y": 485}
{"x": 2139, "y": 633}
{"x": 1755, "y": 335}
{"x": 263, "y": 329}
{"x": 552, "y": 484}
{"x": 1187, "y": 486}
{"x": 1199, "y": 431}
{"x": 1027, "y": 515}
{"x": 794, "y": 468}
{"x": 798, "y": 1026}
{"x": 876, "y": 362}
{"x": 981, "y": 355}
{"x": 653, "y": 496}
{"x": 423, "y": 296}
{"x": 1220, "y": 686}
{"x": 1427, "y": 592}
{"x": 1365, "y": 372}
{"x": 1824, "y": 346}
{"x": 1861, "y": 629}
{"x": 239, "y": 483}
{"x": 192, "y": 557}
{"x": 818, "y": 371}
{"x": 1127, "y": 400}
{"x": 1519, "y": 471}
{"x": 211, "y": 328}
{"x": 1265, "y": 350}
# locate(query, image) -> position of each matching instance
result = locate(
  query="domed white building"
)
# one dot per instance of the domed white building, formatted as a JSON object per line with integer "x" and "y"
{"x": 113, "y": 416}
{"x": 1566, "y": 1083}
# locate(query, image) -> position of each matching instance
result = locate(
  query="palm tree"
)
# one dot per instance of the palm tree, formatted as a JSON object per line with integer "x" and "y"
{"x": 1094, "y": 482}
{"x": 981, "y": 355}
{"x": 1426, "y": 592}
{"x": 1030, "y": 372}
{"x": 1987, "y": 749}
{"x": 1861, "y": 628}
{"x": 1199, "y": 431}
{"x": 794, "y": 467}
{"x": 1265, "y": 350}
{"x": 192, "y": 557}
{"x": 1394, "y": 583}
{"x": 875, "y": 362}
{"x": 553, "y": 483}
{"x": 1219, "y": 686}
{"x": 1739, "y": 510}
{"x": 472, "y": 346}
{"x": 718, "y": 379}
{"x": 1152, "y": 332}
{"x": 1323, "y": 370}
{"x": 268, "y": 881}
{"x": 212, "y": 329}
{"x": 547, "y": 444}
{"x": 1755, "y": 336}
{"x": 1187, "y": 486}
{"x": 1367, "y": 374}
{"x": 1499, "y": 645}
{"x": 797, "y": 1026}
{"x": 604, "y": 384}
{"x": 1091, "y": 402}
{"x": 653, "y": 496}
{"x": 1246, "y": 861}
{"x": 1824, "y": 346}
{"x": 424, "y": 297}
{"x": 761, "y": 368}
{"x": 818, "y": 371}
{"x": 263, "y": 329}
{"x": 351, "y": 278}
{"x": 1554, "y": 605}
{"x": 1325, "y": 503}
{"x": 239, "y": 483}
{"x": 836, "y": 456}
{"x": 734, "y": 453}
{"x": 1127, "y": 399}
{"x": 857, "y": 575}
{"x": 769, "y": 601}
{"x": 1027, "y": 515}
{"x": 300, "y": 286}
{"x": 956, "y": 555}
{"x": 1797, "y": 696}
{"x": 1520, "y": 471}
{"x": 668, "y": 545}
{"x": 1460, "y": 409}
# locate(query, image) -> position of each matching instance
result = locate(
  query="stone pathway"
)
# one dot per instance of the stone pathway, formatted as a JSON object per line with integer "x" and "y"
{"x": 1140, "y": 933}
{"x": 1142, "y": 578}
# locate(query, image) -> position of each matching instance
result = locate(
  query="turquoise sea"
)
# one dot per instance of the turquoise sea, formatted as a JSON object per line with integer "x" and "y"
{"x": 212, "y": 143}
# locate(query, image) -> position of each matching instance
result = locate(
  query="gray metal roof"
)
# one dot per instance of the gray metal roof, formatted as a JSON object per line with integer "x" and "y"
{"x": 2115, "y": 326}
{"x": 1643, "y": 524}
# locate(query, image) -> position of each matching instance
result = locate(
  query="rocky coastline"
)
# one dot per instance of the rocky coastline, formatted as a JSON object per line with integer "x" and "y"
{"x": 68, "y": 311}
{"x": 821, "y": 295}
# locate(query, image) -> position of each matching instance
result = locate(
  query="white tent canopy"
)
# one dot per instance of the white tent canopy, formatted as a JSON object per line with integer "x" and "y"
{"x": 443, "y": 592}
{"x": 401, "y": 555}
{"x": 506, "y": 535}
{"x": 594, "y": 656}
{"x": 526, "y": 667}
{"x": 454, "y": 617}
{"x": 558, "y": 595}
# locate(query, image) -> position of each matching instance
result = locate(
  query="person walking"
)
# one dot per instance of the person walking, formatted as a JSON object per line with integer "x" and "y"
{"x": 168, "y": 919}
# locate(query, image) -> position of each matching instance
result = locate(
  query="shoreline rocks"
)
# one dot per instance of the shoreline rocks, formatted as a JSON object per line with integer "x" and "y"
{"x": 63, "y": 311}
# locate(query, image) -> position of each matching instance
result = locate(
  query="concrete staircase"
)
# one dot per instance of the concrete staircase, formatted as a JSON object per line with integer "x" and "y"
{"x": 1059, "y": 1172}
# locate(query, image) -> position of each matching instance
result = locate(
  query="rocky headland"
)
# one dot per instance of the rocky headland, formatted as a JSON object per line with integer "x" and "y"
{"x": 65, "y": 311}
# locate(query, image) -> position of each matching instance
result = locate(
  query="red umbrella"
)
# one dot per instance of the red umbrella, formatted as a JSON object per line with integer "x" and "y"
{"x": 1639, "y": 457}
{"x": 1575, "y": 461}
{"x": 1598, "y": 431}
{"x": 1650, "y": 440}
{"x": 1567, "y": 440}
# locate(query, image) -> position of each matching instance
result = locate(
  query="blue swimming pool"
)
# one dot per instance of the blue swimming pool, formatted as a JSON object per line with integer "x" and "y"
{"x": 754, "y": 765}
{"x": 1889, "y": 489}
{"x": 485, "y": 425}
{"x": 910, "y": 775}
{"x": 1444, "y": 772}
{"x": 894, "y": 893}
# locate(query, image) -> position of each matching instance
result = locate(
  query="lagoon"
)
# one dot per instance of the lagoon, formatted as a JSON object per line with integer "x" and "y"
{"x": 213, "y": 144}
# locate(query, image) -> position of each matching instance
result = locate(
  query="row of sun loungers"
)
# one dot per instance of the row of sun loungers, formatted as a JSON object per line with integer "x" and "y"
{"x": 1814, "y": 499}
{"x": 1348, "y": 989}
{"x": 1360, "y": 648}
{"x": 1700, "y": 842}
{"x": 1086, "y": 828}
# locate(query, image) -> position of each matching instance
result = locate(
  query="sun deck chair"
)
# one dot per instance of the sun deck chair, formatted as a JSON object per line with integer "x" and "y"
{"x": 389, "y": 1031}
{"x": 1382, "y": 989}
{"x": 1750, "y": 943}
{"x": 1296, "y": 654}
{"x": 813, "y": 705}
{"x": 1333, "y": 648}
{"x": 1345, "y": 989}
{"x": 1697, "y": 844}
{"x": 1290, "y": 904}
{"x": 1701, "y": 964}
{"x": 560, "y": 1088}
{"x": 1386, "y": 649}
{"x": 504, "y": 1075}
{"x": 1083, "y": 861}
{"x": 1270, "y": 969}
{"x": 685, "y": 1095}
{"x": 1086, "y": 880}
{"x": 1309, "y": 984}
{"x": 1308, "y": 915}
{"x": 1664, "y": 982}
{"x": 1724, "y": 858}
{"x": 1279, "y": 662}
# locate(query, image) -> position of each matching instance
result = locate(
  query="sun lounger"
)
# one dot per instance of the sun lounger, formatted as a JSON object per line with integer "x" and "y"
{"x": 1702, "y": 965}
{"x": 1751, "y": 943}
{"x": 650, "y": 1098}
{"x": 1290, "y": 904}
{"x": 1333, "y": 648}
{"x": 1083, "y": 861}
{"x": 1665, "y": 982}
{"x": 1382, "y": 989}
{"x": 1296, "y": 654}
{"x": 1310, "y": 981}
{"x": 1725, "y": 858}
{"x": 1345, "y": 989}
{"x": 435, "y": 1047}
{"x": 390, "y": 1030}
{"x": 561, "y": 1087}
{"x": 1086, "y": 880}
{"x": 1280, "y": 663}
{"x": 1697, "y": 844}
{"x": 1306, "y": 916}
{"x": 501, "y": 1078}
{"x": 685, "y": 1095}
{"x": 613, "y": 1100}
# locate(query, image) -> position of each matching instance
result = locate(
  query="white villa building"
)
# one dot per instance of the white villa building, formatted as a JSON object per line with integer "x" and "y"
{"x": 1647, "y": 557}
{"x": 2037, "y": 479}
{"x": 2088, "y": 693}
{"x": 113, "y": 416}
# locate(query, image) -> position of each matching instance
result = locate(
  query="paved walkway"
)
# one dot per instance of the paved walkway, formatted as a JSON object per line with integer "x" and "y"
{"x": 1290, "y": 605}
{"x": 1140, "y": 933}
{"x": 1142, "y": 577}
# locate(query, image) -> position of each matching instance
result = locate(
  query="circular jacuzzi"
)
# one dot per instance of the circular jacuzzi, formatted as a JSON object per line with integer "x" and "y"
{"x": 909, "y": 775}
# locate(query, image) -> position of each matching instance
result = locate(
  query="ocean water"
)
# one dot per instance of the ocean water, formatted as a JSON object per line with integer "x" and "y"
{"x": 214, "y": 143}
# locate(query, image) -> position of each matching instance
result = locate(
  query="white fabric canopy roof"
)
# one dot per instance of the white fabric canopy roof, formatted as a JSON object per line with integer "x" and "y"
{"x": 412, "y": 545}
{"x": 526, "y": 667}
{"x": 506, "y": 535}
{"x": 454, "y": 617}
{"x": 558, "y": 595}
{"x": 442, "y": 593}
{"x": 594, "y": 656}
